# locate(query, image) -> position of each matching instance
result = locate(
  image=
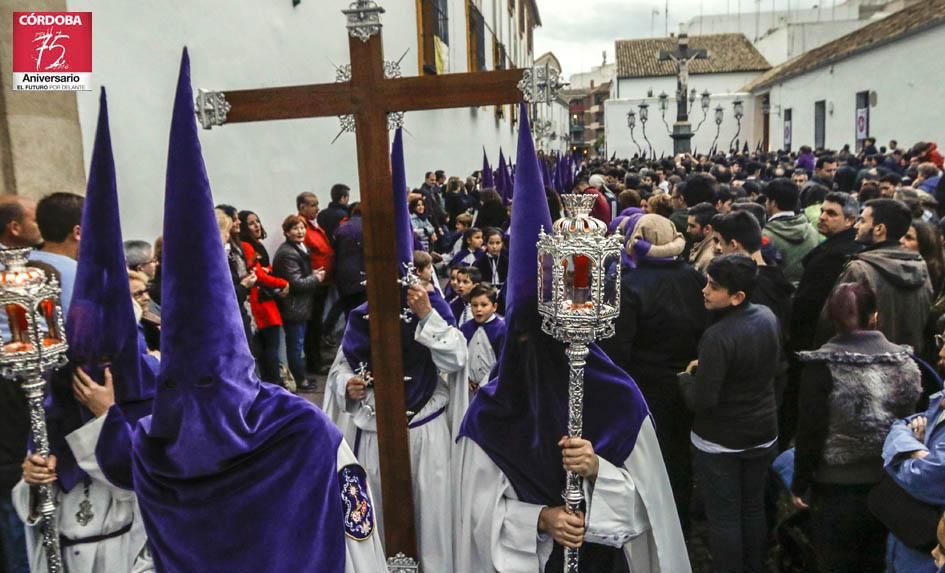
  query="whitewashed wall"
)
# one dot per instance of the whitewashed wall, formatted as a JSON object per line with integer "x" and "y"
{"x": 262, "y": 166}
{"x": 794, "y": 39}
{"x": 619, "y": 137}
{"x": 715, "y": 83}
{"x": 908, "y": 103}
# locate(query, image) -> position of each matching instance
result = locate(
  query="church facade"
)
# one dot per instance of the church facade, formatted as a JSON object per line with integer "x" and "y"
{"x": 731, "y": 62}
{"x": 263, "y": 166}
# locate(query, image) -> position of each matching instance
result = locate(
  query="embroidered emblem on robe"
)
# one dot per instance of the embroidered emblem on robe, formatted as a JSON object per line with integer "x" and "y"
{"x": 359, "y": 515}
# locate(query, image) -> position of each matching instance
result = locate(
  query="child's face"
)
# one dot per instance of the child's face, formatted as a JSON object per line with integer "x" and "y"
{"x": 461, "y": 227}
{"x": 482, "y": 308}
{"x": 475, "y": 242}
{"x": 453, "y": 273}
{"x": 494, "y": 246}
{"x": 426, "y": 273}
{"x": 463, "y": 284}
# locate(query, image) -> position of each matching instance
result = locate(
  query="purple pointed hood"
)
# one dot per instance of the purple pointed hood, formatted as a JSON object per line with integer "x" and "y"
{"x": 519, "y": 418}
{"x": 500, "y": 181}
{"x": 100, "y": 327}
{"x": 207, "y": 383}
{"x": 402, "y": 224}
{"x": 488, "y": 181}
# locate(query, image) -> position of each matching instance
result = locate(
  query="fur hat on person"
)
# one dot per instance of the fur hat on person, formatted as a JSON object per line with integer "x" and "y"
{"x": 655, "y": 237}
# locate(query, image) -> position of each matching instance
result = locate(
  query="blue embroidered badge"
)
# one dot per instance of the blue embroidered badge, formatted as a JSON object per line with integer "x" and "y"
{"x": 359, "y": 515}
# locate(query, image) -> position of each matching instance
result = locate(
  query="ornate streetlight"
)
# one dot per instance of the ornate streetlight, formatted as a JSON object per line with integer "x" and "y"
{"x": 664, "y": 105}
{"x": 36, "y": 346}
{"x": 644, "y": 116}
{"x": 578, "y": 304}
{"x": 738, "y": 108}
{"x": 632, "y": 123}
{"x": 719, "y": 116}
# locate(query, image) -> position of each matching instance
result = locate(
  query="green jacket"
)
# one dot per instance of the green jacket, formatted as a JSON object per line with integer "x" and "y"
{"x": 794, "y": 237}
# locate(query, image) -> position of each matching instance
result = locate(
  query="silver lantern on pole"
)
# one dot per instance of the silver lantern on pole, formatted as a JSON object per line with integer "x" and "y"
{"x": 579, "y": 300}
{"x": 36, "y": 345}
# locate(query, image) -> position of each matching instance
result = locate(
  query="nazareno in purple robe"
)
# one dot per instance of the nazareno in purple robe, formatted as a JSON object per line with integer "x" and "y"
{"x": 101, "y": 330}
{"x": 231, "y": 474}
{"x": 356, "y": 343}
{"x": 518, "y": 418}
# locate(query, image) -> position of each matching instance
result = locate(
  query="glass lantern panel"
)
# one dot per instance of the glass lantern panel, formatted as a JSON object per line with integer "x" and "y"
{"x": 16, "y": 334}
{"x": 51, "y": 335}
{"x": 578, "y": 281}
{"x": 611, "y": 279}
{"x": 546, "y": 268}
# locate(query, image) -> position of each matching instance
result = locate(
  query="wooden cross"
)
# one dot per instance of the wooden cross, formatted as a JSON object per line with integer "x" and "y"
{"x": 369, "y": 96}
{"x": 682, "y": 56}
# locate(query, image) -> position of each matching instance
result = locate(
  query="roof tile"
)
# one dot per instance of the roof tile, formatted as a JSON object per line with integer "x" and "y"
{"x": 727, "y": 53}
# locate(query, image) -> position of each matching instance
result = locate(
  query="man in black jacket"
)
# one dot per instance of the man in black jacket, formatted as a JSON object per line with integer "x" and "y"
{"x": 336, "y": 212}
{"x": 823, "y": 264}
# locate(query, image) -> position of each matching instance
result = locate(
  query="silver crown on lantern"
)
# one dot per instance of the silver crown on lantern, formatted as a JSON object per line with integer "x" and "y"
{"x": 579, "y": 292}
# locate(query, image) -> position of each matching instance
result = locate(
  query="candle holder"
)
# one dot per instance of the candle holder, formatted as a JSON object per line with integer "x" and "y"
{"x": 33, "y": 345}
{"x": 578, "y": 303}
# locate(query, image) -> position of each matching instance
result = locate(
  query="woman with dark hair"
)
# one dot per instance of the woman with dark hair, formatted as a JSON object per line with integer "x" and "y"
{"x": 262, "y": 297}
{"x": 853, "y": 388}
{"x": 492, "y": 212}
{"x": 456, "y": 199}
{"x": 422, "y": 227}
{"x": 293, "y": 264}
{"x": 925, "y": 239}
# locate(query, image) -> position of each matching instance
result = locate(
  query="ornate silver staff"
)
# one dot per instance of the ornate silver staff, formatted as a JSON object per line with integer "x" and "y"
{"x": 36, "y": 345}
{"x": 579, "y": 300}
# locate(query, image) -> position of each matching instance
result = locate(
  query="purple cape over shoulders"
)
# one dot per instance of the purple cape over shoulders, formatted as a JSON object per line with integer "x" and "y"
{"x": 495, "y": 331}
{"x": 277, "y": 509}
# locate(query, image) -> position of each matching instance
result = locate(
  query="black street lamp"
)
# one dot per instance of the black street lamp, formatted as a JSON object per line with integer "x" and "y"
{"x": 719, "y": 116}
{"x": 738, "y": 108}
{"x": 644, "y": 116}
{"x": 632, "y": 123}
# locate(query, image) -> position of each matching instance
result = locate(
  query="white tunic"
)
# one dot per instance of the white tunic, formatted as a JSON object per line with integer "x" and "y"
{"x": 481, "y": 360}
{"x": 630, "y": 507}
{"x": 333, "y": 403}
{"x": 364, "y": 556}
{"x": 430, "y": 443}
{"x": 113, "y": 509}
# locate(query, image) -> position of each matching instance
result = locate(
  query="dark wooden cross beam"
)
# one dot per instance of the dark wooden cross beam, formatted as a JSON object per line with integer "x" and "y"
{"x": 682, "y": 56}
{"x": 369, "y": 97}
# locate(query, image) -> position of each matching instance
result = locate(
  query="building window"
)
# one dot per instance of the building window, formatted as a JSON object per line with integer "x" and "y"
{"x": 511, "y": 8}
{"x": 862, "y": 118}
{"x": 477, "y": 38}
{"x": 498, "y": 55}
{"x": 434, "y": 35}
{"x": 820, "y": 124}
{"x": 788, "y": 129}
{"x": 521, "y": 18}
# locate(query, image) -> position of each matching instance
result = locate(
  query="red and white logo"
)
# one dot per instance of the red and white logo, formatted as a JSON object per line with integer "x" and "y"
{"x": 52, "y": 51}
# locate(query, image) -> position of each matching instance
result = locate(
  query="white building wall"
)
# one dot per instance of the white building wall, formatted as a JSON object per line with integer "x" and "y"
{"x": 794, "y": 39}
{"x": 715, "y": 83}
{"x": 908, "y": 98}
{"x": 598, "y": 75}
{"x": 262, "y": 166}
{"x": 619, "y": 138}
{"x": 756, "y": 24}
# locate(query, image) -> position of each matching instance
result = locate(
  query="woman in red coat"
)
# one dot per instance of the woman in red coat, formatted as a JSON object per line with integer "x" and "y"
{"x": 262, "y": 297}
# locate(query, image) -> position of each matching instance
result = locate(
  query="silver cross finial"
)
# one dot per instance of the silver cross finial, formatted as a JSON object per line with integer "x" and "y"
{"x": 364, "y": 19}
{"x": 211, "y": 108}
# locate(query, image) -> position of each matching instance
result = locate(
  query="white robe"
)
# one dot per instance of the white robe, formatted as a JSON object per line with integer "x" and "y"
{"x": 365, "y": 556}
{"x": 430, "y": 444}
{"x": 630, "y": 507}
{"x": 479, "y": 365}
{"x": 113, "y": 509}
{"x": 333, "y": 403}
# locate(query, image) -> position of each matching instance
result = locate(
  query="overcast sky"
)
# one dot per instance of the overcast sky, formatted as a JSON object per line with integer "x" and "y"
{"x": 578, "y": 31}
